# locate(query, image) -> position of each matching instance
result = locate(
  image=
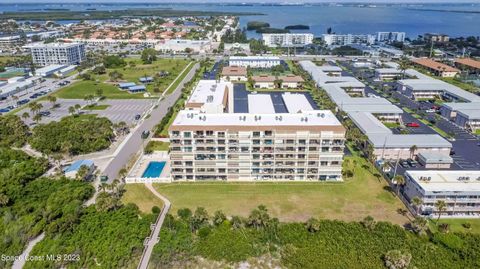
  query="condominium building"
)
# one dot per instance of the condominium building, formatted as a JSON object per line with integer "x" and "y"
{"x": 348, "y": 39}
{"x": 10, "y": 42}
{"x": 57, "y": 53}
{"x": 287, "y": 40}
{"x": 390, "y": 36}
{"x": 210, "y": 140}
{"x": 460, "y": 190}
{"x": 244, "y": 146}
{"x": 433, "y": 37}
{"x": 254, "y": 61}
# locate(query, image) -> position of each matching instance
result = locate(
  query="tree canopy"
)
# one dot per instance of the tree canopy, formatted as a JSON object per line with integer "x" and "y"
{"x": 13, "y": 131}
{"x": 73, "y": 135}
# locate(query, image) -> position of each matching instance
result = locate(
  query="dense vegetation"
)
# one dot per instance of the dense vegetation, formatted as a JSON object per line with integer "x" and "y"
{"x": 297, "y": 27}
{"x": 13, "y": 131}
{"x": 314, "y": 244}
{"x": 255, "y": 25}
{"x": 29, "y": 205}
{"x": 73, "y": 135}
{"x": 99, "y": 238}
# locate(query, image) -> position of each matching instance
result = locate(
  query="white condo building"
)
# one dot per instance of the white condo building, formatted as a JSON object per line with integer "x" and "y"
{"x": 57, "y": 53}
{"x": 348, "y": 39}
{"x": 390, "y": 36}
{"x": 460, "y": 190}
{"x": 209, "y": 141}
{"x": 254, "y": 61}
{"x": 287, "y": 40}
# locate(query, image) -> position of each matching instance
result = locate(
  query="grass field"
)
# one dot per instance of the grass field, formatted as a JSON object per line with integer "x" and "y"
{"x": 353, "y": 199}
{"x": 456, "y": 225}
{"x": 79, "y": 89}
{"x": 141, "y": 196}
{"x": 179, "y": 78}
{"x": 157, "y": 146}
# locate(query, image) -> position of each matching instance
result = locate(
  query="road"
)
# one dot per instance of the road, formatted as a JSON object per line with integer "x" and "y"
{"x": 133, "y": 142}
{"x": 153, "y": 239}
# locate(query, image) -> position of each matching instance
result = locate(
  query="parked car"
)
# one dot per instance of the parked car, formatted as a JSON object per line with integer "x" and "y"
{"x": 4, "y": 110}
{"x": 44, "y": 113}
{"x": 137, "y": 117}
{"x": 452, "y": 152}
{"x": 412, "y": 163}
{"x": 22, "y": 102}
{"x": 412, "y": 124}
{"x": 430, "y": 111}
{"x": 404, "y": 164}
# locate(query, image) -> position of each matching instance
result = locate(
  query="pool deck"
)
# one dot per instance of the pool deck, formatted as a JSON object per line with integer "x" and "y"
{"x": 135, "y": 174}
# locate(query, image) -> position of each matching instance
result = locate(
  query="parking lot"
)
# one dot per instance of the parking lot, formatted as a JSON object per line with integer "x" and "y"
{"x": 465, "y": 146}
{"x": 117, "y": 110}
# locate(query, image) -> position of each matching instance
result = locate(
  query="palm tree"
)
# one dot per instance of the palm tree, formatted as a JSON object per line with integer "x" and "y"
{"x": 35, "y": 107}
{"x": 71, "y": 110}
{"x": 419, "y": 224}
{"x": 404, "y": 65}
{"x": 123, "y": 173}
{"x": 25, "y": 115}
{"x": 37, "y": 118}
{"x": 52, "y": 99}
{"x": 88, "y": 98}
{"x": 417, "y": 202}
{"x": 412, "y": 150}
{"x": 399, "y": 181}
{"x": 441, "y": 207}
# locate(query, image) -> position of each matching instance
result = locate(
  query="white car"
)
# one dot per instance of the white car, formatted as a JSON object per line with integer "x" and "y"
{"x": 430, "y": 111}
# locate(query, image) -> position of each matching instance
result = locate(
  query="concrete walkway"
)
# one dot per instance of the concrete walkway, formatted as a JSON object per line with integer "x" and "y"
{"x": 20, "y": 262}
{"x": 153, "y": 239}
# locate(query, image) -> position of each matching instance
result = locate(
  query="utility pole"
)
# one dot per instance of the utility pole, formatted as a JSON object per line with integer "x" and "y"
{"x": 431, "y": 48}
{"x": 396, "y": 165}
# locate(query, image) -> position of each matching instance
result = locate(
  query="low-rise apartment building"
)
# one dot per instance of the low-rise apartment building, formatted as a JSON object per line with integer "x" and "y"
{"x": 234, "y": 73}
{"x": 291, "y": 82}
{"x": 460, "y": 190}
{"x": 386, "y": 74}
{"x": 439, "y": 69}
{"x": 264, "y": 82}
{"x": 390, "y": 36}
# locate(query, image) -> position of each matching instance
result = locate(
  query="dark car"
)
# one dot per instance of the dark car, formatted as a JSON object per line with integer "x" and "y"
{"x": 33, "y": 96}
{"x": 4, "y": 110}
{"x": 44, "y": 113}
{"x": 145, "y": 134}
{"x": 412, "y": 163}
{"x": 404, "y": 164}
{"x": 22, "y": 102}
{"x": 137, "y": 117}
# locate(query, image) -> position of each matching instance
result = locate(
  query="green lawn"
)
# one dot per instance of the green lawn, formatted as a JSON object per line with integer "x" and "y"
{"x": 157, "y": 146}
{"x": 80, "y": 89}
{"x": 391, "y": 124}
{"x": 353, "y": 199}
{"x": 179, "y": 78}
{"x": 139, "y": 194}
{"x": 96, "y": 107}
{"x": 466, "y": 86}
{"x": 456, "y": 225}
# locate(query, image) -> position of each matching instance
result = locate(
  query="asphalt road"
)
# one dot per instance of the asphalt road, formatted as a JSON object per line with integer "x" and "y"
{"x": 133, "y": 143}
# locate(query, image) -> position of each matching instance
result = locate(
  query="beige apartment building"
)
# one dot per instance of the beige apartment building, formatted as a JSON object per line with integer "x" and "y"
{"x": 244, "y": 146}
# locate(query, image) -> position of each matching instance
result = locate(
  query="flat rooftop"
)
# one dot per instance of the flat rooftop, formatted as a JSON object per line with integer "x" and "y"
{"x": 388, "y": 71}
{"x": 209, "y": 92}
{"x": 469, "y": 113}
{"x": 318, "y": 120}
{"x": 408, "y": 140}
{"x": 296, "y": 102}
{"x": 369, "y": 124}
{"x": 431, "y": 157}
{"x": 447, "y": 181}
{"x": 52, "y": 45}
{"x": 260, "y": 104}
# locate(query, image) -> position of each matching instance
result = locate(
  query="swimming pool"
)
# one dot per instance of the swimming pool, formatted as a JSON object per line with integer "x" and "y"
{"x": 154, "y": 169}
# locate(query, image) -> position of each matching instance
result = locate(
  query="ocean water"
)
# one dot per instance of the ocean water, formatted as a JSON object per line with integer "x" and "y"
{"x": 342, "y": 19}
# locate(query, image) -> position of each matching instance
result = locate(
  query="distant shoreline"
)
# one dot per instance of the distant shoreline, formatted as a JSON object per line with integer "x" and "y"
{"x": 447, "y": 10}
{"x": 56, "y": 15}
